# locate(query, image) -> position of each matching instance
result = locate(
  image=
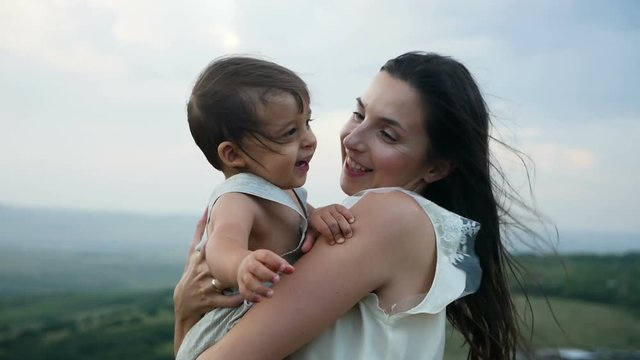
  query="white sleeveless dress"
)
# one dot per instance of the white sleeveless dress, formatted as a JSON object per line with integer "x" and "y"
{"x": 415, "y": 329}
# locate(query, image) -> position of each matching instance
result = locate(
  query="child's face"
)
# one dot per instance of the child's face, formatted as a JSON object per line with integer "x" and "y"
{"x": 285, "y": 162}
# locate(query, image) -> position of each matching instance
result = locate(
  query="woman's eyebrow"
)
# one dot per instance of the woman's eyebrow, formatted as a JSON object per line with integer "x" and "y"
{"x": 393, "y": 123}
{"x": 386, "y": 120}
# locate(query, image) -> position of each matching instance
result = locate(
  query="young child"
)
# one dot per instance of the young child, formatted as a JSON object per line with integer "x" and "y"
{"x": 250, "y": 118}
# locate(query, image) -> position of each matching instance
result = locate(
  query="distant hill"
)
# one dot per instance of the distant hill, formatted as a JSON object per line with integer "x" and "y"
{"x": 598, "y": 242}
{"x": 110, "y": 232}
{"x": 94, "y": 231}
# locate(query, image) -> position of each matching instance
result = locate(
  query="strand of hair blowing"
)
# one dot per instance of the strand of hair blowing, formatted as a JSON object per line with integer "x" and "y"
{"x": 457, "y": 126}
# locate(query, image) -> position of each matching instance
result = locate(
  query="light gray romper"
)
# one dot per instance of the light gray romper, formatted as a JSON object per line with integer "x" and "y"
{"x": 214, "y": 324}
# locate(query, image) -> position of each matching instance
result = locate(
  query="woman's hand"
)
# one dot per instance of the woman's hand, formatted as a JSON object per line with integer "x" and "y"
{"x": 194, "y": 295}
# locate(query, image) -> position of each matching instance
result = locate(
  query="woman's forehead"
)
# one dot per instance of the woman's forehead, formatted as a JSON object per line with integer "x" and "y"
{"x": 392, "y": 98}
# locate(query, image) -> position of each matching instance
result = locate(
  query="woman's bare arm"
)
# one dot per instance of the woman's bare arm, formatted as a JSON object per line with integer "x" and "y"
{"x": 328, "y": 282}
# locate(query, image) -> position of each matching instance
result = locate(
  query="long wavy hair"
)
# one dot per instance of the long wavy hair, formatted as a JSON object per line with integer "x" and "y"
{"x": 458, "y": 130}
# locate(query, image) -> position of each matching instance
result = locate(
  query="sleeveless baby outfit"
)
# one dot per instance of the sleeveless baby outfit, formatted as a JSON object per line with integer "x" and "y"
{"x": 214, "y": 324}
{"x": 415, "y": 328}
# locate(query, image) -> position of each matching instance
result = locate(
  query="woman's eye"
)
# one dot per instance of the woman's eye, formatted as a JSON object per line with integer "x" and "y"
{"x": 358, "y": 116}
{"x": 388, "y": 137}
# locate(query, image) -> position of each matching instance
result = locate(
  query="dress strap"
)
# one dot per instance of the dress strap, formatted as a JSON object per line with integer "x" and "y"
{"x": 254, "y": 185}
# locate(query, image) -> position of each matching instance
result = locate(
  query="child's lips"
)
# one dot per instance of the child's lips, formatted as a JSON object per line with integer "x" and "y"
{"x": 302, "y": 165}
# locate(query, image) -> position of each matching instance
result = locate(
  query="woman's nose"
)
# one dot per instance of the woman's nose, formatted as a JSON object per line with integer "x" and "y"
{"x": 352, "y": 138}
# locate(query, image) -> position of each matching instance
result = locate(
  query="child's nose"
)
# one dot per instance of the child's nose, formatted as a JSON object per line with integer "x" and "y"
{"x": 309, "y": 139}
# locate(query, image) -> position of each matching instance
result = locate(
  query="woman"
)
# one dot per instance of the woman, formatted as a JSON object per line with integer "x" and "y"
{"x": 416, "y": 157}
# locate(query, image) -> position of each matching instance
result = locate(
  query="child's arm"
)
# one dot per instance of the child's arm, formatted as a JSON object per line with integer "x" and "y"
{"x": 193, "y": 295}
{"x": 227, "y": 254}
{"x": 331, "y": 221}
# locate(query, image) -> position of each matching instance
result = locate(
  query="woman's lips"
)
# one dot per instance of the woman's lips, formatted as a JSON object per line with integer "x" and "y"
{"x": 353, "y": 168}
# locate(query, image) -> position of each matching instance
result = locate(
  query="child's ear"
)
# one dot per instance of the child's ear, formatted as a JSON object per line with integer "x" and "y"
{"x": 438, "y": 170}
{"x": 231, "y": 155}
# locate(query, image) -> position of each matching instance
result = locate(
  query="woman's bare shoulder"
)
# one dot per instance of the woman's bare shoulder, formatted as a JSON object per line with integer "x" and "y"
{"x": 390, "y": 215}
{"x": 390, "y": 207}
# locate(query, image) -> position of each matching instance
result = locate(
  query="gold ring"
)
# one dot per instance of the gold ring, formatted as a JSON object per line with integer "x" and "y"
{"x": 216, "y": 285}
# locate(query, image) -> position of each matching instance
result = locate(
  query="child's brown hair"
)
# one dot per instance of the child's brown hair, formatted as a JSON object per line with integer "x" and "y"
{"x": 223, "y": 103}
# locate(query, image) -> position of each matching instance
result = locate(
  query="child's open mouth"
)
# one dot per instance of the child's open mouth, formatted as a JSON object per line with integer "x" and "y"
{"x": 302, "y": 165}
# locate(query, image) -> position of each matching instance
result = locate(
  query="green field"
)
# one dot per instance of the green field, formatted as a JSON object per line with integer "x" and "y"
{"x": 140, "y": 326}
{"x": 62, "y": 314}
{"x": 80, "y": 326}
{"x": 577, "y": 324}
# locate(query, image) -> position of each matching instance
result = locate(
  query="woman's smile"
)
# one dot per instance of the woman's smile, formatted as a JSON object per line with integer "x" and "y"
{"x": 355, "y": 167}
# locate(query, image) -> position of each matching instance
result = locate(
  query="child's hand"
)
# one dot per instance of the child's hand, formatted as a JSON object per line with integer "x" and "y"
{"x": 333, "y": 222}
{"x": 258, "y": 267}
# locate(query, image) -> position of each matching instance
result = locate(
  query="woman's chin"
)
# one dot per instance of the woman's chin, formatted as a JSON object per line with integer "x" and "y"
{"x": 349, "y": 188}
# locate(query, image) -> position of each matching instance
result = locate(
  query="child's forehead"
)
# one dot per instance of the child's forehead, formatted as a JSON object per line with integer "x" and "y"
{"x": 281, "y": 108}
{"x": 268, "y": 96}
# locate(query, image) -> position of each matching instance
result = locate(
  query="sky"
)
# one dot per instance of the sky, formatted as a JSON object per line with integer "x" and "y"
{"x": 93, "y": 93}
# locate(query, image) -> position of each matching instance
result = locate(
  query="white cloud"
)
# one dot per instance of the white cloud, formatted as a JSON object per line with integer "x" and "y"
{"x": 51, "y": 33}
{"x": 95, "y": 91}
{"x": 580, "y": 159}
{"x": 582, "y": 172}
{"x": 556, "y": 158}
{"x": 227, "y": 38}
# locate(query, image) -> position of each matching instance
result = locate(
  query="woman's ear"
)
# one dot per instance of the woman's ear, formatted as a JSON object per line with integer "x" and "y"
{"x": 438, "y": 170}
{"x": 231, "y": 155}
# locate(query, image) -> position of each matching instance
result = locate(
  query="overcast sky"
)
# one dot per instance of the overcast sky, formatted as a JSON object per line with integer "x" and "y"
{"x": 93, "y": 92}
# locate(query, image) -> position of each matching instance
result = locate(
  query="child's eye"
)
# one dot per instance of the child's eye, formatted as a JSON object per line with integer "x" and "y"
{"x": 290, "y": 132}
{"x": 309, "y": 123}
{"x": 358, "y": 116}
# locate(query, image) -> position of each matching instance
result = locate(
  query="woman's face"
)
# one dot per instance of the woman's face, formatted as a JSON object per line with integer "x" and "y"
{"x": 384, "y": 143}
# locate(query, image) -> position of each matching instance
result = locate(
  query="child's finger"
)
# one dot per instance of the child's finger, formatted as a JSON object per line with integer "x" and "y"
{"x": 345, "y": 212}
{"x": 323, "y": 230}
{"x": 331, "y": 222}
{"x": 262, "y": 290}
{"x": 263, "y": 273}
{"x": 248, "y": 294}
{"x": 345, "y": 226}
{"x": 273, "y": 261}
{"x": 309, "y": 239}
{"x": 344, "y": 218}
{"x": 251, "y": 286}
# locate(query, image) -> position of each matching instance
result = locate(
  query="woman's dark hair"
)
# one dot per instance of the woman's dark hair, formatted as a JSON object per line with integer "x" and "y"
{"x": 457, "y": 127}
{"x": 223, "y": 103}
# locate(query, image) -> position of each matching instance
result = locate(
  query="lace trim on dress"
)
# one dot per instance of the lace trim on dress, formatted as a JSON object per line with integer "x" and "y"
{"x": 456, "y": 233}
{"x": 458, "y": 271}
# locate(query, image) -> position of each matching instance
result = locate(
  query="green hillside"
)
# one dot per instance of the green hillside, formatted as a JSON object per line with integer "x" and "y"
{"x": 59, "y": 312}
{"x": 607, "y": 279}
{"x": 578, "y": 324}
{"x": 140, "y": 326}
{"x": 81, "y": 326}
